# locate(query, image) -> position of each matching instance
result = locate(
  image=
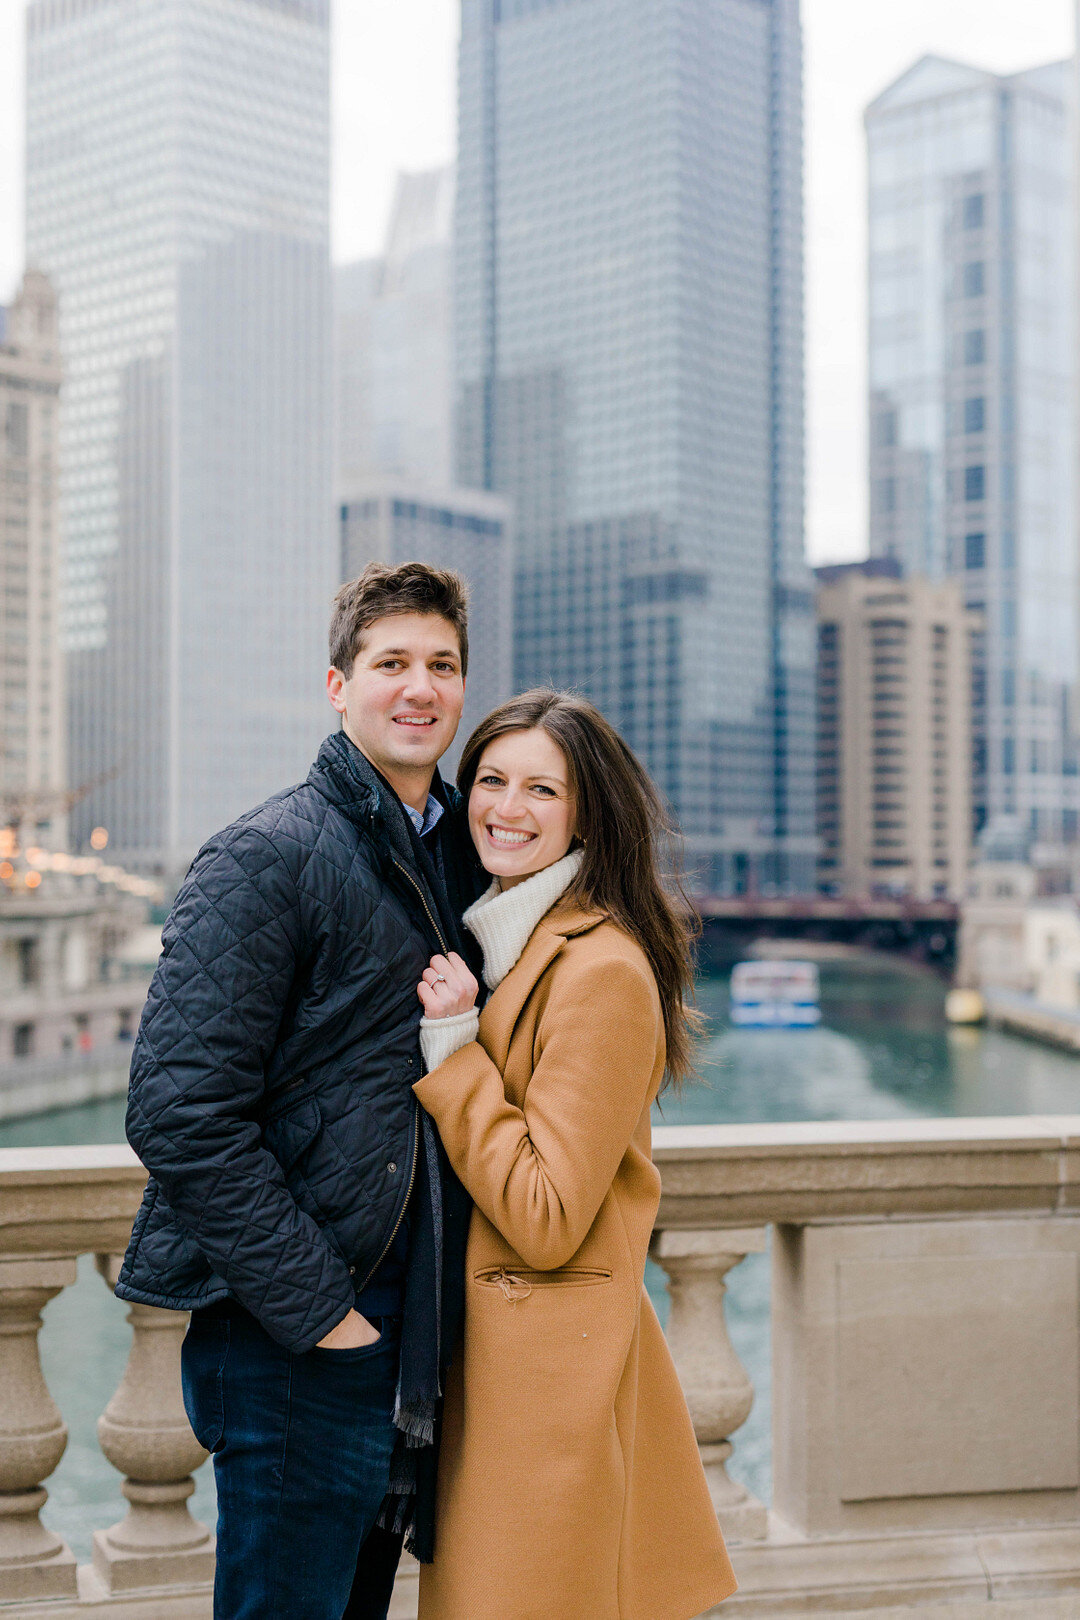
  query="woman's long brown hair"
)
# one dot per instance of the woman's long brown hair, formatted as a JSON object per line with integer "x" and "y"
{"x": 622, "y": 823}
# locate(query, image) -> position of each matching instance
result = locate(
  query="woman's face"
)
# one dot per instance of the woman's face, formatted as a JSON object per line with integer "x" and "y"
{"x": 521, "y": 812}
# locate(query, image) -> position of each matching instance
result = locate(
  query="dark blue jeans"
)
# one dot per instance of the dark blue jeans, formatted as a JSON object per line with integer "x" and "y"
{"x": 302, "y": 1447}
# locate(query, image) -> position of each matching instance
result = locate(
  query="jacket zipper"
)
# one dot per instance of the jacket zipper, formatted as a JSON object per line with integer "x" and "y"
{"x": 405, "y": 1204}
{"x": 416, "y": 1117}
{"x": 404, "y": 870}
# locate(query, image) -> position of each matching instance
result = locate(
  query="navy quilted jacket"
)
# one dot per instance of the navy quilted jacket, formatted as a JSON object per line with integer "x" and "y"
{"x": 271, "y": 1080}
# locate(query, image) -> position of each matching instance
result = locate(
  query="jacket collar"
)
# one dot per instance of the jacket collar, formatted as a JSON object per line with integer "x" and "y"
{"x": 503, "y": 1008}
{"x": 345, "y": 776}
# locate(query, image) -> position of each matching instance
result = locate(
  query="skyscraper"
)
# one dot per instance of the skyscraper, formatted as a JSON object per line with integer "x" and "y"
{"x": 972, "y": 415}
{"x": 31, "y": 666}
{"x": 894, "y": 732}
{"x": 392, "y": 340}
{"x": 628, "y": 298}
{"x": 178, "y": 196}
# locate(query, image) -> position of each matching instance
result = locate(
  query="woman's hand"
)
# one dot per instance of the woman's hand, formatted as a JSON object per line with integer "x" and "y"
{"x": 447, "y": 988}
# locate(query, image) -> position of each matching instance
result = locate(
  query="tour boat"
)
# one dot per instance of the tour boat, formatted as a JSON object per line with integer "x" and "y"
{"x": 775, "y": 995}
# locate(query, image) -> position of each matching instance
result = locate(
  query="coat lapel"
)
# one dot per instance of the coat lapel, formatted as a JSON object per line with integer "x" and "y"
{"x": 503, "y": 1007}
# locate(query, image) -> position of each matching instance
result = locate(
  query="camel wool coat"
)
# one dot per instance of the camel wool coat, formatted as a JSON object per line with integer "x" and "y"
{"x": 570, "y": 1485}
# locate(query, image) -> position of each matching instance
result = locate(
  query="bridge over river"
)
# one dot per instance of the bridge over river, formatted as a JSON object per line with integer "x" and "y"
{"x": 923, "y": 931}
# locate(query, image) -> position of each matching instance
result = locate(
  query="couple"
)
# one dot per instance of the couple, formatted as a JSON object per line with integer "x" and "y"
{"x": 411, "y": 1223}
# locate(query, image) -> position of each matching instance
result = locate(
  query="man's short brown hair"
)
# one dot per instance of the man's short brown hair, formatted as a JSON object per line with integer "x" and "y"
{"x": 381, "y": 591}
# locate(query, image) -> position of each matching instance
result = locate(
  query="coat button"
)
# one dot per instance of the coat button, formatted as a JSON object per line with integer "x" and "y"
{"x": 410, "y": 1062}
{"x": 352, "y": 1271}
{"x": 391, "y": 1168}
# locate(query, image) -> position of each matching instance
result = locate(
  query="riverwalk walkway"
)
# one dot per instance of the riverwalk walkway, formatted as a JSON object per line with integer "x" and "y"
{"x": 38, "y": 1085}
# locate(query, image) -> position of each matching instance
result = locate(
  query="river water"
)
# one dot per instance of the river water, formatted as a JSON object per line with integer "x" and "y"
{"x": 882, "y": 1051}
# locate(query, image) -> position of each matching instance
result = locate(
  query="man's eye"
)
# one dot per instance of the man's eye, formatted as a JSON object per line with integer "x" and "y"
{"x": 390, "y": 663}
{"x": 447, "y": 669}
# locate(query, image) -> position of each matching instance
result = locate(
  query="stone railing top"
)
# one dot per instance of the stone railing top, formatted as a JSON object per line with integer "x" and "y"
{"x": 68, "y": 1200}
{"x": 21, "y": 1166}
{"x": 72, "y": 1200}
{"x": 740, "y": 1175}
{"x": 812, "y": 1137}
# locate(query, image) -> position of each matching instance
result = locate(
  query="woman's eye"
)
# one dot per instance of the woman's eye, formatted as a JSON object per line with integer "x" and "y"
{"x": 539, "y": 787}
{"x": 490, "y": 781}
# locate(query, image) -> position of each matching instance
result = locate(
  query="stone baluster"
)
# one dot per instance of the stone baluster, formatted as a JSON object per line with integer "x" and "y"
{"x": 34, "y": 1563}
{"x": 717, "y": 1389}
{"x": 145, "y": 1434}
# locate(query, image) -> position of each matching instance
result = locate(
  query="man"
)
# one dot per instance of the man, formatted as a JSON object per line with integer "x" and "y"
{"x": 299, "y": 1203}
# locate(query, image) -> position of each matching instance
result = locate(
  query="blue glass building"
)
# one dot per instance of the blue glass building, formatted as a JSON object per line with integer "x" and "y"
{"x": 628, "y": 295}
{"x": 178, "y": 176}
{"x": 972, "y": 420}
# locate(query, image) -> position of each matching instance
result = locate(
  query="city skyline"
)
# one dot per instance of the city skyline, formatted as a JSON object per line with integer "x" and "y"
{"x": 394, "y": 96}
{"x": 628, "y": 337}
{"x": 178, "y": 197}
{"x": 972, "y": 378}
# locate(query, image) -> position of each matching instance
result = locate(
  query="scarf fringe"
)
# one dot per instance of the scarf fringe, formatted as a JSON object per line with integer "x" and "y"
{"x": 416, "y": 1422}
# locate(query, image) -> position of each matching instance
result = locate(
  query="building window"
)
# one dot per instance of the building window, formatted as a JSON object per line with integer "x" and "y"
{"x": 974, "y": 279}
{"x": 1008, "y": 686}
{"x": 1008, "y": 756}
{"x": 17, "y": 429}
{"x": 974, "y": 211}
{"x": 974, "y": 551}
{"x": 886, "y": 494}
{"x": 1008, "y": 618}
{"x": 974, "y": 483}
{"x": 975, "y": 347}
{"x": 22, "y": 1043}
{"x": 28, "y": 962}
{"x": 885, "y": 430}
{"x": 974, "y": 415}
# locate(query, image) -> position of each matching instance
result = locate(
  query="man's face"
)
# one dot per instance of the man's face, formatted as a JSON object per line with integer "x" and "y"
{"x": 402, "y": 701}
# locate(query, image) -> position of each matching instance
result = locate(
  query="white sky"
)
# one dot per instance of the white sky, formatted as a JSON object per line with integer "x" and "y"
{"x": 394, "y": 109}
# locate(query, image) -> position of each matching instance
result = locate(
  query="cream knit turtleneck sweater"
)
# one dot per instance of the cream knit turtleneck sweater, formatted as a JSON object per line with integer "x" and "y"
{"x": 503, "y": 921}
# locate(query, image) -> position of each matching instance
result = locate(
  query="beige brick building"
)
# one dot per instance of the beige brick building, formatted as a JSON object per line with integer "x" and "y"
{"x": 894, "y": 733}
{"x": 32, "y": 751}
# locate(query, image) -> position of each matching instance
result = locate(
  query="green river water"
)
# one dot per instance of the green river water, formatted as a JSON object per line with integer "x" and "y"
{"x": 882, "y": 1051}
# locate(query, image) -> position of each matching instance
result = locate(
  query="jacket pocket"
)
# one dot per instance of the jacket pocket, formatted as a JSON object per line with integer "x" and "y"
{"x": 290, "y": 1134}
{"x": 518, "y": 1282}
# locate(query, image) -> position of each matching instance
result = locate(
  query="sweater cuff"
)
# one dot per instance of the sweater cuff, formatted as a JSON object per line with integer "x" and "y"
{"x": 440, "y": 1038}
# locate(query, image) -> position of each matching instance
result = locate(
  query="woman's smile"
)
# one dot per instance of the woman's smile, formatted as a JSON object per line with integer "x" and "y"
{"x": 521, "y": 808}
{"x": 508, "y": 835}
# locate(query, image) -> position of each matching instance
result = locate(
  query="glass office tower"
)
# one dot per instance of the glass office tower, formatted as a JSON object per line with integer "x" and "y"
{"x": 628, "y": 295}
{"x": 392, "y": 342}
{"x": 972, "y": 417}
{"x": 178, "y": 196}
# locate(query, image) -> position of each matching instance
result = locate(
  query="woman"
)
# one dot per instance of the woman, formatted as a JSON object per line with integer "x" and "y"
{"x": 570, "y": 1486}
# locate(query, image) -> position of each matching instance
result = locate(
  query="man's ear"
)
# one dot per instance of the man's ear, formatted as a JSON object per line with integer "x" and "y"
{"x": 335, "y": 688}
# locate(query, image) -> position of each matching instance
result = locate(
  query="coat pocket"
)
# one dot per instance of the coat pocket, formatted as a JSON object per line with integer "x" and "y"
{"x": 518, "y": 1282}
{"x": 290, "y": 1134}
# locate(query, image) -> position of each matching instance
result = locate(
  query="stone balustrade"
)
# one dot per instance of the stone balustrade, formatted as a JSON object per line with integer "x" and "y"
{"x": 926, "y": 1372}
